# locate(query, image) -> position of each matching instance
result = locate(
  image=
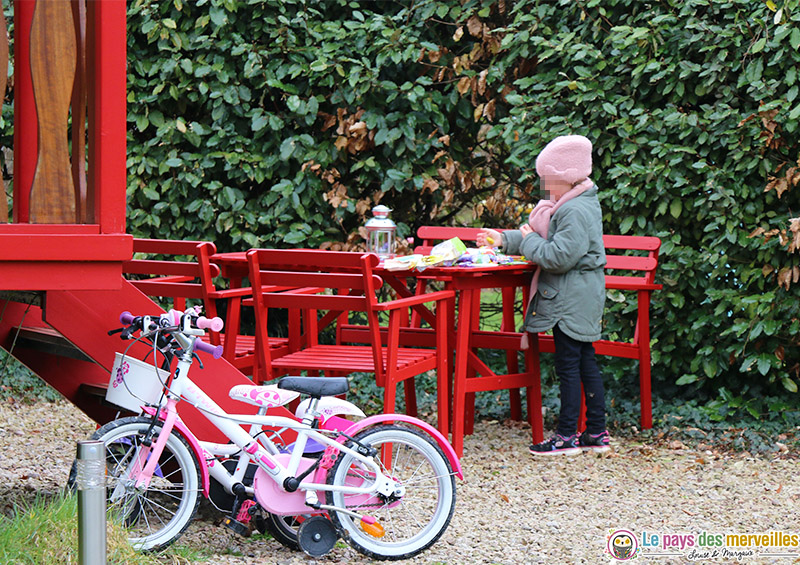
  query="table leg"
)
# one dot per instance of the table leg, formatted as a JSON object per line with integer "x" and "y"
{"x": 534, "y": 390}
{"x": 461, "y": 367}
{"x": 444, "y": 362}
{"x": 475, "y": 321}
{"x": 512, "y": 362}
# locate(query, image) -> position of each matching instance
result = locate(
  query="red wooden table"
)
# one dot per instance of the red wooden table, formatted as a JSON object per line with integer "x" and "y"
{"x": 470, "y": 374}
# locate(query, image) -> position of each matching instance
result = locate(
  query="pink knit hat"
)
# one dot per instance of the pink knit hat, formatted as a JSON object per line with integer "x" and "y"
{"x": 568, "y": 158}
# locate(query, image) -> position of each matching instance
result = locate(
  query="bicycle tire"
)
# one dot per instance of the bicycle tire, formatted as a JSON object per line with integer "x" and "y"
{"x": 158, "y": 516}
{"x": 414, "y": 519}
{"x": 283, "y": 529}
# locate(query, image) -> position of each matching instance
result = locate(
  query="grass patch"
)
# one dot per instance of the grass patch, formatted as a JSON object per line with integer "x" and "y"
{"x": 45, "y": 530}
{"x": 179, "y": 554}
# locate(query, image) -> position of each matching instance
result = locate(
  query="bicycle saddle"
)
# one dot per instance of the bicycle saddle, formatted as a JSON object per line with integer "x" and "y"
{"x": 316, "y": 386}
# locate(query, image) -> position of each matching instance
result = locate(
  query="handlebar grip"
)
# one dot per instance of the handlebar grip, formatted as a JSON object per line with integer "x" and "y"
{"x": 214, "y": 324}
{"x": 126, "y": 318}
{"x": 214, "y": 350}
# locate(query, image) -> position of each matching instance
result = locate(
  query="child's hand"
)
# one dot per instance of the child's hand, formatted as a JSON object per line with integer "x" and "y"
{"x": 526, "y": 230}
{"x": 489, "y": 238}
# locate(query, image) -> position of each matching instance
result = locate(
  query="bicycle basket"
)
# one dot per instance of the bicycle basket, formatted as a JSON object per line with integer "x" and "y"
{"x": 134, "y": 383}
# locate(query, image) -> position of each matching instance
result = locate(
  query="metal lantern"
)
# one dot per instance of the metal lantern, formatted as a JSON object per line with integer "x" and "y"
{"x": 381, "y": 230}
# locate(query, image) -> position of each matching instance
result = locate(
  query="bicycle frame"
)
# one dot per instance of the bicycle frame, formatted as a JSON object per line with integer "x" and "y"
{"x": 262, "y": 451}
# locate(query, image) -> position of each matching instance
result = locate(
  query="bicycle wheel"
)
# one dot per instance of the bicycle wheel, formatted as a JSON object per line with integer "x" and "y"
{"x": 283, "y": 528}
{"x": 416, "y": 515}
{"x": 156, "y": 516}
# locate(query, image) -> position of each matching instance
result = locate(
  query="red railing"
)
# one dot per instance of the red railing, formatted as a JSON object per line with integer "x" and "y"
{"x": 68, "y": 221}
{"x": 69, "y": 63}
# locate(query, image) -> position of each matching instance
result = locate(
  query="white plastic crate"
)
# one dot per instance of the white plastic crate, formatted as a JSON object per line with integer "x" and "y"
{"x": 134, "y": 383}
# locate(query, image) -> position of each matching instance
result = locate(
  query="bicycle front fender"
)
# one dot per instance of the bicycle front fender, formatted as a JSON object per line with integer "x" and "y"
{"x": 424, "y": 426}
{"x": 193, "y": 443}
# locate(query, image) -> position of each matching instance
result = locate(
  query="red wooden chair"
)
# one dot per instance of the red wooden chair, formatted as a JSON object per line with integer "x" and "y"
{"x": 351, "y": 287}
{"x": 170, "y": 269}
{"x": 183, "y": 271}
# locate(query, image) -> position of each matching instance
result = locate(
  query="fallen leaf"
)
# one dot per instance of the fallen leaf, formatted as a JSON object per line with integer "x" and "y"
{"x": 475, "y": 26}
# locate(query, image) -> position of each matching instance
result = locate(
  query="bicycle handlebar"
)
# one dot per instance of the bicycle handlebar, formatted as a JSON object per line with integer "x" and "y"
{"x": 214, "y": 324}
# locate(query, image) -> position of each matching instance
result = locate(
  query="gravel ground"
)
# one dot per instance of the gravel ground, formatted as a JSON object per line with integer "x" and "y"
{"x": 510, "y": 509}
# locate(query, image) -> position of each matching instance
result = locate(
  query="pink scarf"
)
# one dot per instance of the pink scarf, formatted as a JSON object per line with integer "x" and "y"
{"x": 539, "y": 220}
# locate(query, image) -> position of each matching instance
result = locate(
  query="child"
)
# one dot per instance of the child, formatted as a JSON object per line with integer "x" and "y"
{"x": 564, "y": 237}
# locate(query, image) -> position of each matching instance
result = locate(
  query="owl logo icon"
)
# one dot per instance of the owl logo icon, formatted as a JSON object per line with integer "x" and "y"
{"x": 622, "y": 545}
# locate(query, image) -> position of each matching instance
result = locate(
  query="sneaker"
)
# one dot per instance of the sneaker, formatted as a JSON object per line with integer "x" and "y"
{"x": 557, "y": 445}
{"x": 594, "y": 442}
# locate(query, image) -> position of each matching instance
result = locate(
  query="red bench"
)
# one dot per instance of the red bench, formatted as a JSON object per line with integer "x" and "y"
{"x": 625, "y": 271}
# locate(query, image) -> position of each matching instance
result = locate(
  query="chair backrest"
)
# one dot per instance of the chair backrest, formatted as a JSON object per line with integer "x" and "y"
{"x": 349, "y": 274}
{"x": 345, "y": 280}
{"x": 644, "y": 262}
{"x": 174, "y": 269}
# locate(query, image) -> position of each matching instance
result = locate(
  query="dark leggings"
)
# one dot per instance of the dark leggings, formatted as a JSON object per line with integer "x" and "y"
{"x": 575, "y": 364}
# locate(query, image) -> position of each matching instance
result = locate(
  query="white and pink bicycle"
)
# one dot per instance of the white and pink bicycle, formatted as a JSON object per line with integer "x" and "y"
{"x": 385, "y": 484}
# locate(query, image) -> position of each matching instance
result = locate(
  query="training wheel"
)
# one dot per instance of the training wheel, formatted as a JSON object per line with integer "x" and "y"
{"x": 317, "y": 536}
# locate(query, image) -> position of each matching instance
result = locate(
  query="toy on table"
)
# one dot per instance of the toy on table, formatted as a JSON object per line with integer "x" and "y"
{"x": 452, "y": 252}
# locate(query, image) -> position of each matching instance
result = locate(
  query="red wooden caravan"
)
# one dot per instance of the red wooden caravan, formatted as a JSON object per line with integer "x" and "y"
{"x": 61, "y": 253}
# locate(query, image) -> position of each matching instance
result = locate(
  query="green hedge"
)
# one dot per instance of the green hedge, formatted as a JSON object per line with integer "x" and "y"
{"x": 693, "y": 108}
{"x": 281, "y": 123}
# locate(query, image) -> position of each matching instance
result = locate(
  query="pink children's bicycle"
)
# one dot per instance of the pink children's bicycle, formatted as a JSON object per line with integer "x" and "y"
{"x": 385, "y": 484}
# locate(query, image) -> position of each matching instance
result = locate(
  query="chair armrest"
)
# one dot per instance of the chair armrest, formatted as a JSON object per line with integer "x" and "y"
{"x": 165, "y": 279}
{"x": 247, "y": 291}
{"x": 623, "y": 285}
{"x": 231, "y": 292}
{"x": 414, "y": 300}
{"x": 286, "y": 290}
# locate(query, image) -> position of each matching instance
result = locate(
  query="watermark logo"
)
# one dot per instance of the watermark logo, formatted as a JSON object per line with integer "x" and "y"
{"x": 622, "y": 545}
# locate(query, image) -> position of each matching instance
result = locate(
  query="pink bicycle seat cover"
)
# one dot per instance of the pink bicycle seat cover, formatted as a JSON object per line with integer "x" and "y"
{"x": 266, "y": 395}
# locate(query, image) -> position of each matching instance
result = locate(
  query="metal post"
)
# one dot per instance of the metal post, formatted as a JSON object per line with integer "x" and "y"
{"x": 91, "y": 486}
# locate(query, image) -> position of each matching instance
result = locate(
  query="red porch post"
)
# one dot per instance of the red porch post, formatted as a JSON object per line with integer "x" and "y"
{"x": 106, "y": 63}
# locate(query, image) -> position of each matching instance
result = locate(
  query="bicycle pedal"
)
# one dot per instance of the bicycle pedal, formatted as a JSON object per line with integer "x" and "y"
{"x": 239, "y": 528}
{"x": 244, "y": 511}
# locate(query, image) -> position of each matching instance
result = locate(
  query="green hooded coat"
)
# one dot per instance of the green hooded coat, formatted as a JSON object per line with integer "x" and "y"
{"x": 572, "y": 287}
